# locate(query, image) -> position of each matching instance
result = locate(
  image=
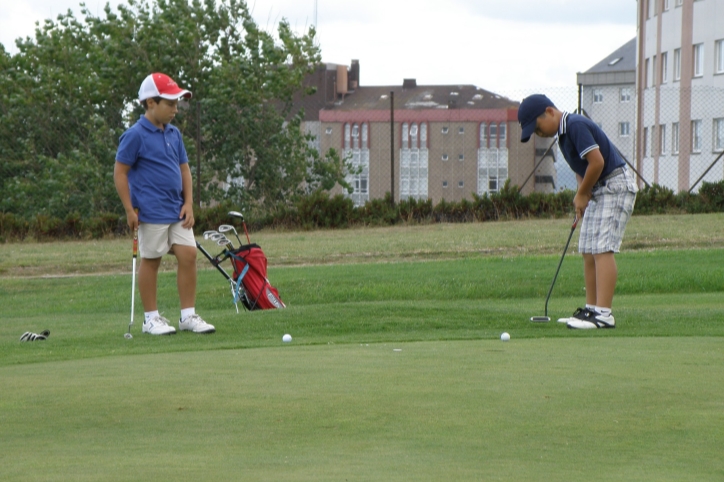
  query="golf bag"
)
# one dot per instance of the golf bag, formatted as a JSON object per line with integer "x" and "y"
{"x": 249, "y": 283}
{"x": 252, "y": 286}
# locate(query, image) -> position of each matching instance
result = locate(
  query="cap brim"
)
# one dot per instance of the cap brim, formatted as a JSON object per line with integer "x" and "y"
{"x": 527, "y": 131}
{"x": 177, "y": 95}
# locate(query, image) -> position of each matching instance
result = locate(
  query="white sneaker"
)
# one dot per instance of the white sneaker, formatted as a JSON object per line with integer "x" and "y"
{"x": 158, "y": 325}
{"x": 596, "y": 321}
{"x": 195, "y": 324}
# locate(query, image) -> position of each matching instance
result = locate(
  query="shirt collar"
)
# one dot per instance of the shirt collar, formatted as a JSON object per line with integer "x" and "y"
{"x": 563, "y": 127}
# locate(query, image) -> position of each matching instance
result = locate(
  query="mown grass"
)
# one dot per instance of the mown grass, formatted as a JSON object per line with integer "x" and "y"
{"x": 641, "y": 402}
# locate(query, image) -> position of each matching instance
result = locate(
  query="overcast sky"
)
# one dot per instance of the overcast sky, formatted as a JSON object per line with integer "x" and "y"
{"x": 512, "y": 47}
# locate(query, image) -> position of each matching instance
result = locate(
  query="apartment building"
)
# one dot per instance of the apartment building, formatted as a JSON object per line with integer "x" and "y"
{"x": 420, "y": 141}
{"x": 680, "y": 92}
{"x": 608, "y": 96}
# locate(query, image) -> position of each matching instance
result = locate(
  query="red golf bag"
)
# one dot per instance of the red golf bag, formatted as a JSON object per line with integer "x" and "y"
{"x": 250, "y": 265}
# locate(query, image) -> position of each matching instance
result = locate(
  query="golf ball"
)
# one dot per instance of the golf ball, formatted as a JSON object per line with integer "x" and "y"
{"x": 287, "y": 338}
{"x": 505, "y": 337}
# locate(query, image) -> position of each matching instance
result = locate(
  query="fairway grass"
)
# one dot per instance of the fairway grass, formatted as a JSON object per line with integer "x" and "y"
{"x": 396, "y": 370}
{"x": 634, "y": 409}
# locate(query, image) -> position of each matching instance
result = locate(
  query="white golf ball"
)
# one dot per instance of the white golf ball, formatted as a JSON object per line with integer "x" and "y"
{"x": 287, "y": 338}
{"x": 505, "y": 337}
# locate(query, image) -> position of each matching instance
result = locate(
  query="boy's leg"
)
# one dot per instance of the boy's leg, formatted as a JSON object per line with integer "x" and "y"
{"x": 589, "y": 275}
{"x": 186, "y": 275}
{"x": 606, "y": 276}
{"x": 147, "y": 278}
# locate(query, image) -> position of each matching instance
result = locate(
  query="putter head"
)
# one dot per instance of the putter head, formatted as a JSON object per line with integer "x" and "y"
{"x": 208, "y": 234}
{"x": 540, "y": 319}
{"x": 236, "y": 214}
{"x": 127, "y": 336}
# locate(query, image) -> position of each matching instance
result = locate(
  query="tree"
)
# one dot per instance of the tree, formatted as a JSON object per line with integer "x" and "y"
{"x": 69, "y": 93}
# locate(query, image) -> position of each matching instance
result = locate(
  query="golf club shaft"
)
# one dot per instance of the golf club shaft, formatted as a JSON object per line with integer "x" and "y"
{"x": 550, "y": 290}
{"x": 133, "y": 275}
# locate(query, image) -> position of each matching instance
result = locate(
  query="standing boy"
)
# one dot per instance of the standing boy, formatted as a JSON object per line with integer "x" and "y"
{"x": 152, "y": 176}
{"x": 604, "y": 200}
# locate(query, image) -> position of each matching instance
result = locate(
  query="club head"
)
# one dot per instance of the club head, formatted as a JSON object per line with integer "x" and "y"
{"x": 216, "y": 236}
{"x": 128, "y": 336}
{"x": 208, "y": 234}
{"x": 223, "y": 241}
{"x": 225, "y": 228}
{"x": 540, "y": 319}
{"x": 236, "y": 214}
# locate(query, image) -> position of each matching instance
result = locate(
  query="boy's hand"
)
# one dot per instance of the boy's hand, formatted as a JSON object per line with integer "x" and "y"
{"x": 580, "y": 203}
{"x": 132, "y": 219}
{"x": 187, "y": 214}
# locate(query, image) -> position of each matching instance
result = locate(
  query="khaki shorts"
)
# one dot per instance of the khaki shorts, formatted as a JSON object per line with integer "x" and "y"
{"x": 155, "y": 240}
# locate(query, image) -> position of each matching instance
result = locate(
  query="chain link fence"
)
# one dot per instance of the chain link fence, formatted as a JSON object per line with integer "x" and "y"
{"x": 426, "y": 143}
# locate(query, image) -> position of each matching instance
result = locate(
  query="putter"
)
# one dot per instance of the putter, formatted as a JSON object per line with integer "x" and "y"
{"x": 237, "y": 214}
{"x": 225, "y": 228}
{"x": 128, "y": 335}
{"x": 546, "y": 318}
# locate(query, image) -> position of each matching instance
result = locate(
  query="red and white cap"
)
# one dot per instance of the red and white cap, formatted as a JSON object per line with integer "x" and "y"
{"x": 161, "y": 85}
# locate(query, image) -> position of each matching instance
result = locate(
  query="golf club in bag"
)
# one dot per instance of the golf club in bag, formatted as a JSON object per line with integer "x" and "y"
{"x": 248, "y": 283}
{"x": 544, "y": 319}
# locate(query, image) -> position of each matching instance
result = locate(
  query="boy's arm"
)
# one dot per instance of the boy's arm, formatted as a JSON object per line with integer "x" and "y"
{"x": 120, "y": 178}
{"x": 585, "y": 184}
{"x": 187, "y": 210}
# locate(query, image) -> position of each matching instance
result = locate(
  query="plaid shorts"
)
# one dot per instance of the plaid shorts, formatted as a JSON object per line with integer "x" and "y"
{"x": 608, "y": 211}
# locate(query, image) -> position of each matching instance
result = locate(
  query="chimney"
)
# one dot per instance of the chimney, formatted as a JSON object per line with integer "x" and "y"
{"x": 409, "y": 83}
{"x": 354, "y": 74}
{"x": 342, "y": 80}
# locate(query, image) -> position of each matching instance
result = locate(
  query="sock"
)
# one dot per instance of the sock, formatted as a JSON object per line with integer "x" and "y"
{"x": 150, "y": 314}
{"x": 603, "y": 311}
{"x": 186, "y": 312}
{"x": 590, "y": 307}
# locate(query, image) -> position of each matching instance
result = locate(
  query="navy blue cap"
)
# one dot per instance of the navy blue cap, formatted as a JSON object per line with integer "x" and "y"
{"x": 530, "y": 109}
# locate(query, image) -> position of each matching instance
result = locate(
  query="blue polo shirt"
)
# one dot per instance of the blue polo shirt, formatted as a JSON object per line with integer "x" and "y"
{"x": 155, "y": 156}
{"x": 577, "y": 136}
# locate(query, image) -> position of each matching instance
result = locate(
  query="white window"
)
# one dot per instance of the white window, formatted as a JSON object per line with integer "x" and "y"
{"x": 646, "y": 141}
{"x": 624, "y": 129}
{"x": 719, "y": 65}
{"x": 667, "y": 5}
{"x": 696, "y": 136}
{"x": 675, "y": 138}
{"x": 445, "y": 157}
{"x": 646, "y": 73}
{"x": 664, "y": 67}
{"x": 461, "y": 184}
{"x": 461, "y": 130}
{"x": 654, "y": 79}
{"x": 719, "y": 135}
{"x": 662, "y": 139}
{"x": 597, "y": 96}
{"x": 679, "y": 3}
{"x": 444, "y": 184}
{"x": 625, "y": 94}
{"x": 413, "y": 131}
{"x": 461, "y": 157}
{"x": 698, "y": 60}
{"x": 445, "y": 130}
{"x": 483, "y": 135}
{"x": 405, "y": 136}
{"x": 677, "y": 64}
{"x": 328, "y": 131}
{"x": 501, "y": 134}
{"x": 493, "y": 135}
{"x": 347, "y": 136}
{"x": 423, "y": 134}
{"x": 355, "y": 130}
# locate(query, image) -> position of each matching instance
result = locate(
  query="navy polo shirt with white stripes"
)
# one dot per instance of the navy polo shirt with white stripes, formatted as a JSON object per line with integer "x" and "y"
{"x": 579, "y": 135}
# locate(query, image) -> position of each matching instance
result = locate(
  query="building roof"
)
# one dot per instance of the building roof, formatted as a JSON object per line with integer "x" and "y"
{"x": 622, "y": 59}
{"x": 414, "y": 97}
{"x": 619, "y": 67}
